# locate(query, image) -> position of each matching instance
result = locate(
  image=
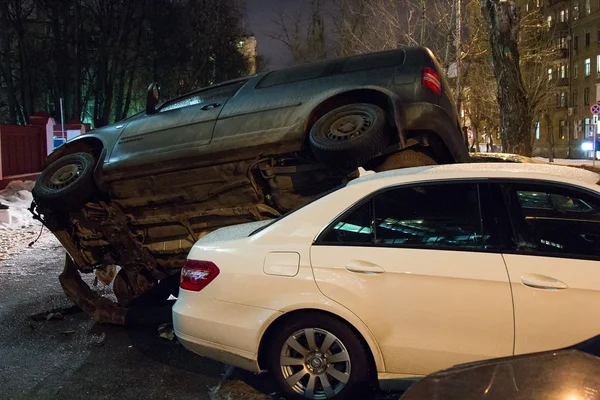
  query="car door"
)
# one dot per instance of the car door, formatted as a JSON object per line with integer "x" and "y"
{"x": 179, "y": 129}
{"x": 553, "y": 263}
{"x": 420, "y": 266}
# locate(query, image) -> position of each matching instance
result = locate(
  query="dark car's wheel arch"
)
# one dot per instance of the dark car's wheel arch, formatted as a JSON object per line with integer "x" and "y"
{"x": 263, "y": 348}
{"x": 370, "y": 96}
{"x": 92, "y": 145}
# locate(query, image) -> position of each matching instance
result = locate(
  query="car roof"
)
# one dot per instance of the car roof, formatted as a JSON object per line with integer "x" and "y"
{"x": 484, "y": 170}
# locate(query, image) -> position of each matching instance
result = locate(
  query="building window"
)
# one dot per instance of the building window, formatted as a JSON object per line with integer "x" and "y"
{"x": 549, "y": 74}
{"x": 549, "y": 21}
{"x": 575, "y": 130}
{"x": 589, "y": 128}
{"x": 562, "y": 40}
{"x": 587, "y": 38}
{"x": 561, "y": 129}
{"x": 586, "y": 96}
{"x": 588, "y": 67}
{"x": 537, "y": 130}
{"x": 563, "y": 99}
{"x": 575, "y": 10}
{"x": 564, "y": 15}
{"x": 562, "y": 72}
{"x": 574, "y": 98}
{"x": 588, "y": 8}
{"x": 598, "y": 27}
{"x": 575, "y": 42}
{"x": 575, "y": 71}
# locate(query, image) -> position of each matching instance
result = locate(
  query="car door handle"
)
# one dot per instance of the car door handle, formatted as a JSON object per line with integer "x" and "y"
{"x": 543, "y": 282}
{"x": 364, "y": 267}
{"x": 210, "y": 106}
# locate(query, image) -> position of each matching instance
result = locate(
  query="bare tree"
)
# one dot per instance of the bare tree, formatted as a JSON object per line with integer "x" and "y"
{"x": 374, "y": 25}
{"x": 519, "y": 44}
{"x": 303, "y": 35}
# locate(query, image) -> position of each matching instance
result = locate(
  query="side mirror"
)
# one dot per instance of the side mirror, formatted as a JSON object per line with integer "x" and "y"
{"x": 152, "y": 98}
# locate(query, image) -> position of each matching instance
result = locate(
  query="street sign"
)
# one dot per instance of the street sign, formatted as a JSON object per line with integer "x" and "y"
{"x": 595, "y": 109}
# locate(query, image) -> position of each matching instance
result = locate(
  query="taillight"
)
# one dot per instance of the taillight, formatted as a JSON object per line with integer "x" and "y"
{"x": 195, "y": 275}
{"x": 431, "y": 80}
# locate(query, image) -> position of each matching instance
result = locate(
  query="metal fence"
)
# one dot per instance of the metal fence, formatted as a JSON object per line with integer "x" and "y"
{"x": 22, "y": 150}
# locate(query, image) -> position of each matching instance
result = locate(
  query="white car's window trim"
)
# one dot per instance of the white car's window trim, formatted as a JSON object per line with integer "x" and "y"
{"x": 480, "y": 182}
{"x": 559, "y": 185}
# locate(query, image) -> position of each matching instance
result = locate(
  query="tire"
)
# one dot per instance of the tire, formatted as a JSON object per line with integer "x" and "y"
{"x": 67, "y": 183}
{"x": 406, "y": 159}
{"x": 354, "y": 366}
{"x": 350, "y": 135}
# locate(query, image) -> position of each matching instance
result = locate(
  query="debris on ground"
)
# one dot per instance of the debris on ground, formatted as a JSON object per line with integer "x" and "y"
{"x": 98, "y": 340}
{"x": 165, "y": 331}
{"x": 55, "y": 314}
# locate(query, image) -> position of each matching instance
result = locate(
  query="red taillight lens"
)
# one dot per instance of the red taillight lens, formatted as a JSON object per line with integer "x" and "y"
{"x": 431, "y": 80}
{"x": 195, "y": 275}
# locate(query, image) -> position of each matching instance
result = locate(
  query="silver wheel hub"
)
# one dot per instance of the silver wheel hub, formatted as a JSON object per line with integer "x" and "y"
{"x": 315, "y": 363}
{"x": 65, "y": 175}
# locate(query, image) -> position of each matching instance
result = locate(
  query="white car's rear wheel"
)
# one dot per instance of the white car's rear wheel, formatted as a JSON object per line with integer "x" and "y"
{"x": 318, "y": 357}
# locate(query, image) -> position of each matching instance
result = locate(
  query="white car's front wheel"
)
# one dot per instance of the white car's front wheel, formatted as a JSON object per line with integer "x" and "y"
{"x": 316, "y": 356}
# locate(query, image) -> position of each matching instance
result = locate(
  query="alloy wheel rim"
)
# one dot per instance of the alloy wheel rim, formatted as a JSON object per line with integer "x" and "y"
{"x": 349, "y": 127}
{"x": 66, "y": 175}
{"x": 315, "y": 363}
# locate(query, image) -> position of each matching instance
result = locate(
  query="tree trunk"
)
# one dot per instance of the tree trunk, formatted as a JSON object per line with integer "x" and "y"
{"x": 423, "y": 19}
{"x": 515, "y": 114}
{"x": 77, "y": 67}
{"x": 551, "y": 149}
{"x": 7, "y": 67}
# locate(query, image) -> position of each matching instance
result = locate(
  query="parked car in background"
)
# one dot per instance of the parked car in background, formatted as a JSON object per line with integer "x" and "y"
{"x": 140, "y": 192}
{"x": 565, "y": 374}
{"x": 400, "y": 274}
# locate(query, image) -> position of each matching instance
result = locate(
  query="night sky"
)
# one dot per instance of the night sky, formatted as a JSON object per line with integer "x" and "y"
{"x": 259, "y": 17}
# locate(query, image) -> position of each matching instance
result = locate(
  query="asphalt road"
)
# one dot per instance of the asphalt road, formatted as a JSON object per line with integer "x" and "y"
{"x": 76, "y": 358}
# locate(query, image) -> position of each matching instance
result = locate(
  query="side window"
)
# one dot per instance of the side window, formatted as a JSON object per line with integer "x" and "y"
{"x": 437, "y": 216}
{"x": 354, "y": 228}
{"x": 553, "y": 219}
{"x": 204, "y": 96}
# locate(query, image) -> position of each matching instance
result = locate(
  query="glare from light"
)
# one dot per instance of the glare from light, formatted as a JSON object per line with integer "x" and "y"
{"x": 573, "y": 396}
{"x": 587, "y": 146}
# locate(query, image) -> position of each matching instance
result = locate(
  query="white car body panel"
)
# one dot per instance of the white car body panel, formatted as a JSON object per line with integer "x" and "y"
{"x": 426, "y": 309}
{"x": 434, "y": 309}
{"x": 570, "y": 315}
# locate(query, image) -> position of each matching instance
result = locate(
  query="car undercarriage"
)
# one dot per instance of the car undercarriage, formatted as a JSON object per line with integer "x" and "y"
{"x": 147, "y": 225}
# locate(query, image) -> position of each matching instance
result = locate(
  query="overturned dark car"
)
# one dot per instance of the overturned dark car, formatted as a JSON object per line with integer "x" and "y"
{"x": 139, "y": 193}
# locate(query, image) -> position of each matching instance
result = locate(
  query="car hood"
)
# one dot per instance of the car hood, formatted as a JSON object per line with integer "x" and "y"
{"x": 233, "y": 232}
{"x": 564, "y": 374}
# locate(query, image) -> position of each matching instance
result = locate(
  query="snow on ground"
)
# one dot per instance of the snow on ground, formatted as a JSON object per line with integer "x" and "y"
{"x": 576, "y": 162}
{"x": 22, "y": 229}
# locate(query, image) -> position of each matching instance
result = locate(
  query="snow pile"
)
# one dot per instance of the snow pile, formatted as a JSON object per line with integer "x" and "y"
{"x": 17, "y": 226}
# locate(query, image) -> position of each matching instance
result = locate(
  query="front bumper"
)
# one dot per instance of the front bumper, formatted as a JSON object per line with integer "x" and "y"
{"x": 225, "y": 332}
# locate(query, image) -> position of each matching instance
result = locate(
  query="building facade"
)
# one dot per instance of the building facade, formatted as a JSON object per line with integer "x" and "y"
{"x": 568, "y": 129}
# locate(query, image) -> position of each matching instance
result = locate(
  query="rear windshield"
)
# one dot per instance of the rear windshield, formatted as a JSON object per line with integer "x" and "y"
{"x": 297, "y": 208}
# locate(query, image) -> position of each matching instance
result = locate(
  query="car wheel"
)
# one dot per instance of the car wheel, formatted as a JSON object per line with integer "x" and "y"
{"x": 318, "y": 357}
{"x": 350, "y": 135}
{"x": 67, "y": 183}
{"x": 406, "y": 159}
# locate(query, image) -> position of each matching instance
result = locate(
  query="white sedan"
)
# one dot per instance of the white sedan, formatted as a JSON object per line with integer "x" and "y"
{"x": 400, "y": 274}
